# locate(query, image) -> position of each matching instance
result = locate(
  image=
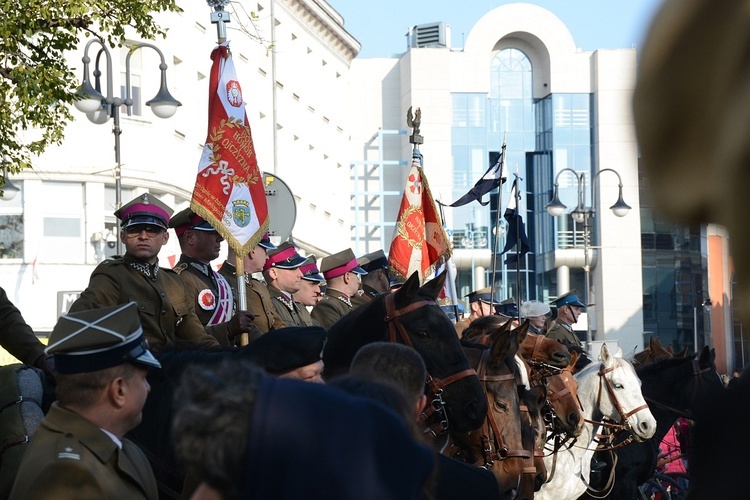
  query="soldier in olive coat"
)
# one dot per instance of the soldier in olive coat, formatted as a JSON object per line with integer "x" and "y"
{"x": 342, "y": 273}
{"x": 568, "y": 310}
{"x": 284, "y": 279}
{"x": 79, "y": 449}
{"x": 376, "y": 281}
{"x": 212, "y": 294}
{"x": 166, "y": 311}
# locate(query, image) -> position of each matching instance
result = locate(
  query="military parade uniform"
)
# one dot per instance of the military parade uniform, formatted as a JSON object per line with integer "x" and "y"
{"x": 562, "y": 332}
{"x": 332, "y": 308}
{"x": 165, "y": 309}
{"x": 70, "y": 458}
{"x": 288, "y": 310}
{"x": 214, "y": 303}
{"x": 258, "y": 299}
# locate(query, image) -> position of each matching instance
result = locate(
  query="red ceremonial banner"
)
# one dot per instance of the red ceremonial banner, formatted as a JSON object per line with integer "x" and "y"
{"x": 229, "y": 191}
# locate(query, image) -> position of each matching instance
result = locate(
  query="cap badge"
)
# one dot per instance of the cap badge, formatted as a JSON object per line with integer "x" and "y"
{"x": 207, "y": 300}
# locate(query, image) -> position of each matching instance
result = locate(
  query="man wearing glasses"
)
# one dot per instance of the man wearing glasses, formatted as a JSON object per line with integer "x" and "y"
{"x": 166, "y": 311}
{"x": 342, "y": 273}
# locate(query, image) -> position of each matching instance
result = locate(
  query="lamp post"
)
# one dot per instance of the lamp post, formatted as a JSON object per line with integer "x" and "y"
{"x": 99, "y": 108}
{"x": 8, "y": 189}
{"x": 583, "y": 214}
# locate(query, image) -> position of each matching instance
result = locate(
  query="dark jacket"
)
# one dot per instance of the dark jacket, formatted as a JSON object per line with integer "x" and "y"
{"x": 288, "y": 310}
{"x": 16, "y": 336}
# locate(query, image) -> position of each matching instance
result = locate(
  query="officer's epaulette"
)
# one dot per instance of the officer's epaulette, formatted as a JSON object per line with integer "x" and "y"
{"x": 115, "y": 259}
{"x": 180, "y": 267}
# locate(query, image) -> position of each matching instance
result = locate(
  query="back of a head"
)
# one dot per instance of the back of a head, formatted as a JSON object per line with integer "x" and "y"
{"x": 211, "y": 424}
{"x": 393, "y": 363}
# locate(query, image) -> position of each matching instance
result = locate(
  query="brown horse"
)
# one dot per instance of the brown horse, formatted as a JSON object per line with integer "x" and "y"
{"x": 546, "y": 357}
{"x": 534, "y": 348}
{"x": 533, "y": 437}
{"x": 497, "y": 445}
{"x": 654, "y": 352}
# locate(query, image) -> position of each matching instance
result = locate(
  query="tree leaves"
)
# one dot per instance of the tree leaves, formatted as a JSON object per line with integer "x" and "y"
{"x": 36, "y": 81}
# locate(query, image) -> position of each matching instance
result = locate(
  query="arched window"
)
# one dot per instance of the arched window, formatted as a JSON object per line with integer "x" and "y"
{"x": 511, "y": 75}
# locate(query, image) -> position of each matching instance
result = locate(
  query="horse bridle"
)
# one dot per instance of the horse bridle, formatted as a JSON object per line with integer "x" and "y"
{"x": 623, "y": 424}
{"x": 434, "y": 384}
{"x": 490, "y": 430}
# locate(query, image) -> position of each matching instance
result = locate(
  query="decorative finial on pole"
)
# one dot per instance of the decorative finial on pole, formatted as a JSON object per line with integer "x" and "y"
{"x": 219, "y": 17}
{"x": 414, "y": 123}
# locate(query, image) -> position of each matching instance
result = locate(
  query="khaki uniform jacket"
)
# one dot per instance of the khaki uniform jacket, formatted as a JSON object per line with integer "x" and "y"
{"x": 332, "y": 308}
{"x": 289, "y": 311}
{"x": 165, "y": 309}
{"x": 16, "y": 336}
{"x": 258, "y": 300}
{"x": 562, "y": 332}
{"x": 70, "y": 458}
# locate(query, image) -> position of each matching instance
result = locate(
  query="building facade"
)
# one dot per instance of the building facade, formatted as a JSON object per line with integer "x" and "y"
{"x": 333, "y": 128}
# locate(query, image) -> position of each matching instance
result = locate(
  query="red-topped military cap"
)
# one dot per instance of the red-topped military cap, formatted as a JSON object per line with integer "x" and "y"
{"x": 310, "y": 270}
{"x": 186, "y": 220}
{"x": 340, "y": 263}
{"x": 284, "y": 257}
{"x": 145, "y": 209}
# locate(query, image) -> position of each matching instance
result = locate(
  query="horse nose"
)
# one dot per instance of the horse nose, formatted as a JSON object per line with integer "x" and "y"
{"x": 472, "y": 411}
{"x": 539, "y": 481}
{"x": 561, "y": 358}
{"x": 573, "y": 419}
{"x": 644, "y": 426}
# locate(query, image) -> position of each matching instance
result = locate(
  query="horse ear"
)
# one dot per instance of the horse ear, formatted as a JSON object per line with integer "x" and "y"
{"x": 705, "y": 357}
{"x": 499, "y": 348}
{"x": 651, "y": 342}
{"x": 432, "y": 288}
{"x": 606, "y": 357}
{"x": 682, "y": 353}
{"x": 408, "y": 290}
{"x": 522, "y": 331}
{"x": 670, "y": 349}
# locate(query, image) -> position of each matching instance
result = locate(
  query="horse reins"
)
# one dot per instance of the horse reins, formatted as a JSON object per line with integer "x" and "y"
{"x": 434, "y": 384}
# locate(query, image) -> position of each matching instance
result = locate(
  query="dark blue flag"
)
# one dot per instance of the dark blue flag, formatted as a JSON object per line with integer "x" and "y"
{"x": 516, "y": 228}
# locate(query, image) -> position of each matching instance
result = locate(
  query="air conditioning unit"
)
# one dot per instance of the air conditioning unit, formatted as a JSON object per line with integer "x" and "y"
{"x": 430, "y": 35}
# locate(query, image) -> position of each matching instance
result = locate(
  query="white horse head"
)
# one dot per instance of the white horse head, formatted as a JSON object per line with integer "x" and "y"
{"x": 617, "y": 394}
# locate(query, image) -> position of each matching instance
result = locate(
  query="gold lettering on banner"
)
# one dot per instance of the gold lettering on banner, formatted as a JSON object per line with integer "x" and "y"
{"x": 411, "y": 226}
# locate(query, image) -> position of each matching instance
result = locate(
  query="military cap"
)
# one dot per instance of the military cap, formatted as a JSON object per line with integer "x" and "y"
{"x": 145, "y": 209}
{"x": 283, "y": 350}
{"x": 373, "y": 261}
{"x": 569, "y": 298}
{"x": 266, "y": 243}
{"x": 533, "y": 308}
{"x": 339, "y": 264}
{"x": 310, "y": 270}
{"x": 395, "y": 284}
{"x": 186, "y": 220}
{"x": 284, "y": 257}
{"x": 483, "y": 295}
{"x": 97, "y": 339}
{"x": 507, "y": 308}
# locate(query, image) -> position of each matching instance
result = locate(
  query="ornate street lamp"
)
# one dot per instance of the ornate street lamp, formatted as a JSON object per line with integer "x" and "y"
{"x": 583, "y": 214}
{"x": 100, "y": 108}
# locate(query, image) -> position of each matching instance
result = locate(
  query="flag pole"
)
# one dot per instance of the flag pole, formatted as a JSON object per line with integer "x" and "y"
{"x": 497, "y": 224}
{"x": 220, "y": 17}
{"x": 518, "y": 247}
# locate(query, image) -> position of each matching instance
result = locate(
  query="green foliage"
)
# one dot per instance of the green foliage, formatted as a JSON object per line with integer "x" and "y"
{"x": 36, "y": 82}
